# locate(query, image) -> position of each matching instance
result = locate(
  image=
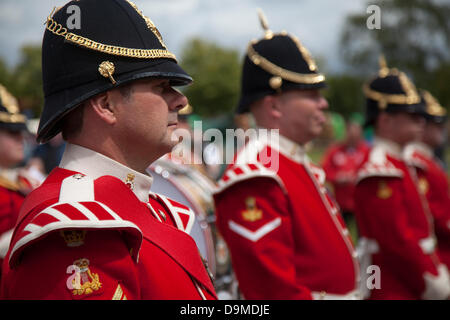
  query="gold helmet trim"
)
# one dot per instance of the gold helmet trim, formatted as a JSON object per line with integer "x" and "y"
{"x": 10, "y": 103}
{"x": 149, "y": 23}
{"x": 285, "y": 74}
{"x": 411, "y": 95}
{"x": 12, "y": 118}
{"x": 278, "y": 71}
{"x": 186, "y": 110}
{"x": 433, "y": 107}
{"x": 59, "y": 30}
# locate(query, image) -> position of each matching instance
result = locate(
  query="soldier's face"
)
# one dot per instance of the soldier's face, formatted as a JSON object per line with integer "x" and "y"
{"x": 150, "y": 115}
{"x": 406, "y": 127}
{"x": 434, "y": 134}
{"x": 303, "y": 114}
{"x": 11, "y": 148}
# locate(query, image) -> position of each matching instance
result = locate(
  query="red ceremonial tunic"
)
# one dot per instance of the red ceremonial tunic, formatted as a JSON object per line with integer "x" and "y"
{"x": 92, "y": 231}
{"x": 397, "y": 229}
{"x": 10, "y": 201}
{"x": 14, "y": 185}
{"x": 287, "y": 238}
{"x": 433, "y": 182}
{"x": 341, "y": 164}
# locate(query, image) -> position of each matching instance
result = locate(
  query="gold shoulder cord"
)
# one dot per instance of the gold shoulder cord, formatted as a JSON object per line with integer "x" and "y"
{"x": 59, "y": 30}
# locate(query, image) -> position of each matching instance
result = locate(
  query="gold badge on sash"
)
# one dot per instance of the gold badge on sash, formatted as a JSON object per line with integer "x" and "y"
{"x": 384, "y": 192}
{"x": 423, "y": 185}
{"x": 252, "y": 213}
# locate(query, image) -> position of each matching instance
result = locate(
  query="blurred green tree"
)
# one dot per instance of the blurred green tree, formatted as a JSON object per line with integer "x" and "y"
{"x": 216, "y": 74}
{"x": 5, "y": 74}
{"x": 344, "y": 94}
{"x": 414, "y": 37}
{"x": 26, "y": 80}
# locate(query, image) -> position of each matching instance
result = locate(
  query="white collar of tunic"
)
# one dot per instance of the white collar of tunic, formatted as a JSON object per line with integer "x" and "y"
{"x": 292, "y": 150}
{"x": 389, "y": 147}
{"x": 283, "y": 145}
{"x": 421, "y": 148}
{"x": 95, "y": 165}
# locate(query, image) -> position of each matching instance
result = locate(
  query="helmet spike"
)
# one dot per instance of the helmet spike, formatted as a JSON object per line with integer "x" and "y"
{"x": 264, "y": 24}
{"x": 384, "y": 70}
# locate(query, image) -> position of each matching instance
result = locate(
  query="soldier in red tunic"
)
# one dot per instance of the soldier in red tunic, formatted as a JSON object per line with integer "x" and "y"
{"x": 432, "y": 178}
{"x": 92, "y": 230}
{"x": 396, "y": 226}
{"x": 14, "y": 182}
{"x": 341, "y": 163}
{"x": 286, "y": 236}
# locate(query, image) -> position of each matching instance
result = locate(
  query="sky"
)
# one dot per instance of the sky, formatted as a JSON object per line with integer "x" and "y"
{"x": 229, "y": 23}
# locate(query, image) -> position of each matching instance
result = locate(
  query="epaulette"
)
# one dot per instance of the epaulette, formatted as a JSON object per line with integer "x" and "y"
{"x": 241, "y": 172}
{"x": 183, "y": 215}
{"x": 414, "y": 158}
{"x": 318, "y": 173}
{"x": 8, "y": 184}
{"x": 378, "y": 165}
{"x": 76, "y": 208}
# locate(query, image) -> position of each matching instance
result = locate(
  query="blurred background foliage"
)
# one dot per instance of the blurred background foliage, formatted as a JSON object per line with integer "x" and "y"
{"x": 24, "y": 80}
{"x": 414, "y": 37}
{"x": 216, "y": 73}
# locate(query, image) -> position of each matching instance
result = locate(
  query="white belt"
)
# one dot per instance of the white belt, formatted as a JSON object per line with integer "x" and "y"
{"x": 366, "y": 248}
{"x": 352, "y": 295}
{"x": 370, "y": 246}
{"x": 5, "y": 239}
{"x": 428, "y": 245}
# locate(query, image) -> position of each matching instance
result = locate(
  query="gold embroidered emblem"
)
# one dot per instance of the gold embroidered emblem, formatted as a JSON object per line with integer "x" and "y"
{"x": 85, "y": 282}
{"x": 252, "y": 213}
{"x": 384, "y": 192}
{"x": 119, "y": 294}
{"x": 106, "y": 69}
{"x": 129, "y": 181}
{"x": 73, "y": 238}
{"x": 423, "y": 185}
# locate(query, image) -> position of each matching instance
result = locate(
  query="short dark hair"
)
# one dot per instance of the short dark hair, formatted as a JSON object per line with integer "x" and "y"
{"x": 126, "y": 90}
{"x": 72, "y": 123}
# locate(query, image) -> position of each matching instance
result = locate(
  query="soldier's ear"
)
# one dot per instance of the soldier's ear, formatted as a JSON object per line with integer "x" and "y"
{"x": 273, "y": 105}
{"x": 103, "y": 106}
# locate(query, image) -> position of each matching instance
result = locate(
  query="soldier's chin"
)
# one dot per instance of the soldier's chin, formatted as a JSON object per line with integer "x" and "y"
{"x": 171, "y": 144}
{"x": 318, "y": 130}
{"x": 416, "y": 136}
